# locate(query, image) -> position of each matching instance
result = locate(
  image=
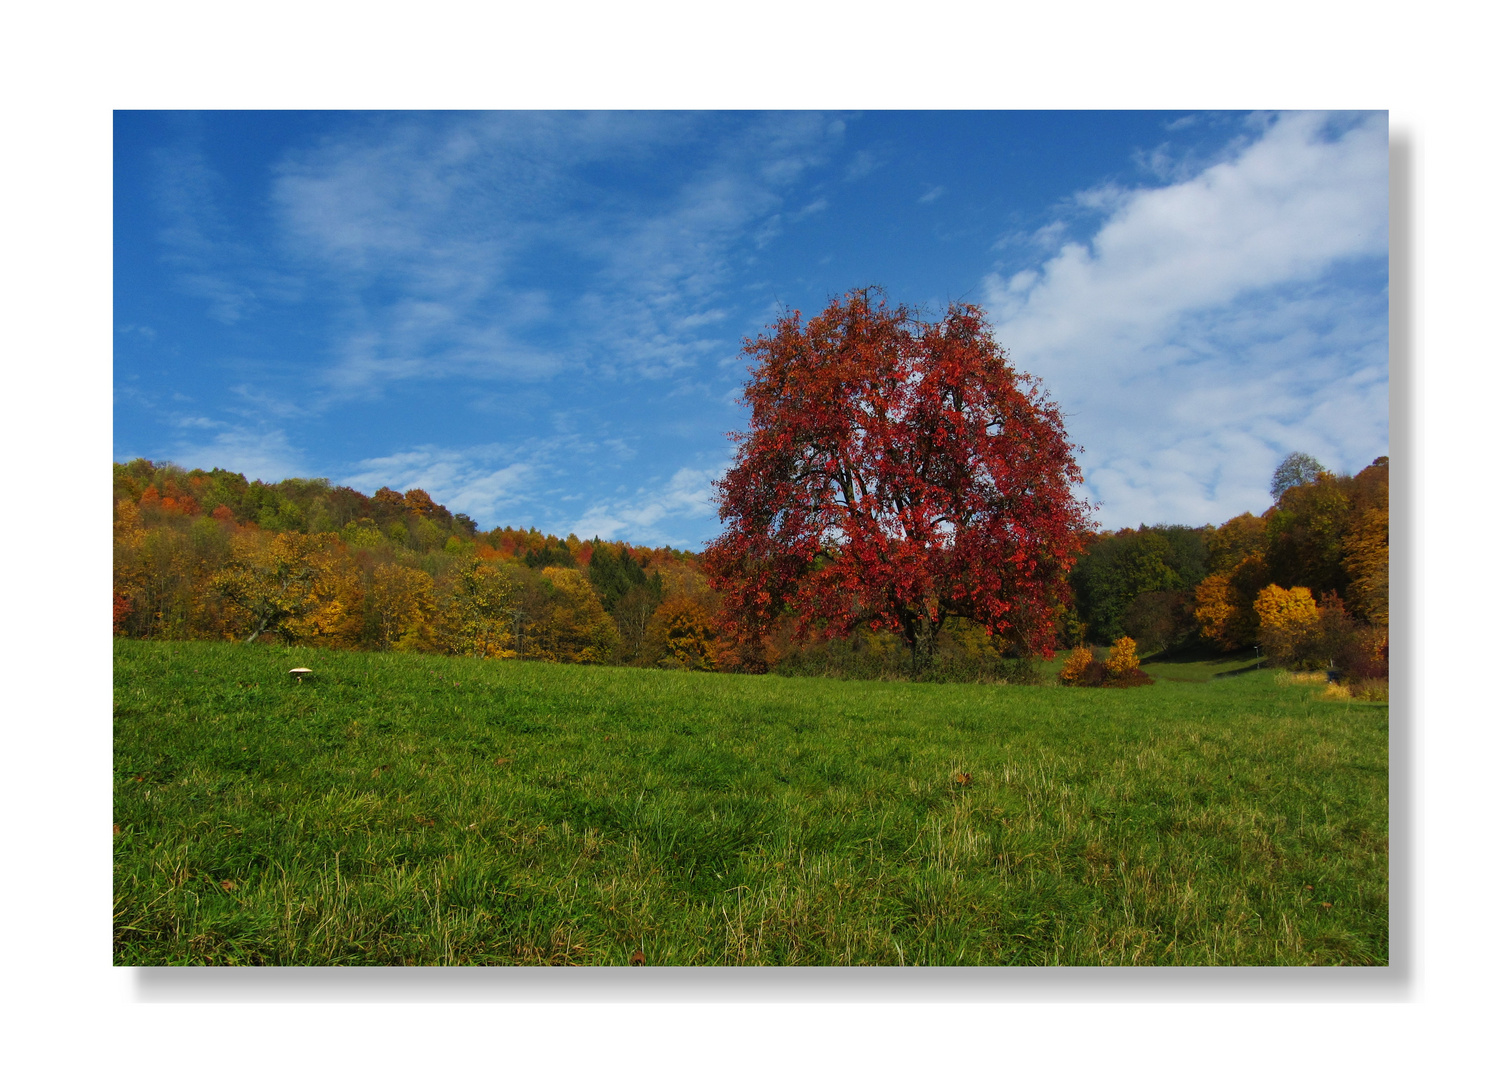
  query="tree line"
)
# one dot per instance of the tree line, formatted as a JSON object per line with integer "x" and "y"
{"x": 209, "y": 555}
{"x": 1306, "y": 581}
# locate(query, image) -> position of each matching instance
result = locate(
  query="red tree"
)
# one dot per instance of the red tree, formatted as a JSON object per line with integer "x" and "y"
{"x": 896, "y": 473}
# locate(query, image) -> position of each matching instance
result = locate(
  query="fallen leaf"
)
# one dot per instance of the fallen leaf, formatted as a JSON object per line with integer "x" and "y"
{"x": 117, "y": 830}
{"x": 1309, "y": 887}
{"x": 962, "y": 779}
{"x": 638, "y": 958}
{"x": 1326, "y": 904}
{"x": 228, "y": 886}
{"x": 503, "y": 761}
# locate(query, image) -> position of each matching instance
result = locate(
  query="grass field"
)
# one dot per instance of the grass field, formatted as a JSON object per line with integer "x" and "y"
{"x": 401, "y": 809}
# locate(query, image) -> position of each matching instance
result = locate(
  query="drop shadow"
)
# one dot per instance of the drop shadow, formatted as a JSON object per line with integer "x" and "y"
{"x": 696, "y": 985}
{"x": 1403, "y": 706}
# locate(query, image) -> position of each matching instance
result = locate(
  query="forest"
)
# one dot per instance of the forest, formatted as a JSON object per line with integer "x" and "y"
{"x": 208, "y": 555}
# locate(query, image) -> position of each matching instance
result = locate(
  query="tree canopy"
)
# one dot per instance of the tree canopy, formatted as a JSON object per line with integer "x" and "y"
{"x": 897, "y": 472}
{"x": 1297, "y": 468}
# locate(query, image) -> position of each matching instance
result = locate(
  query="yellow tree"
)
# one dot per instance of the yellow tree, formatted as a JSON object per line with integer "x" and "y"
{"x": 401, "y": 599}
{"x": 475, "y": 616}
{"x": 576, "y": 629}
{"x": 1366, "y": 561}
{"x": 289, "y": 583}
{"x": 127, "y": 562}
{"x": 1289, "y": 625}
{"x": 682, "y": 632}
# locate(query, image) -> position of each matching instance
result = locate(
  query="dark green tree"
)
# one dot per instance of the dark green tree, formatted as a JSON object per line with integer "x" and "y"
{"x": 1297, "y": 468}
{"x": 1118, "y": 568}
{"x": 613, "y": 572}
{"x": 550, "y": 554}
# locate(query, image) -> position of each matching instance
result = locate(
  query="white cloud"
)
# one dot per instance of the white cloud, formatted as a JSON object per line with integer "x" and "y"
{"x": 531, "y": 484}
{"x": 259, "y": 454}
{"x": 1208, "y": 326}
{"x": 487, "y": 482}
{"x": 932, "y": 194}
{"x": 666, "y": 514}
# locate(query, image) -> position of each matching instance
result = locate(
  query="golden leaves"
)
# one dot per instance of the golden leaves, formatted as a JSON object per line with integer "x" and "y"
{"x": 1289, "y": 622}
{"x": 1123, "y": 659}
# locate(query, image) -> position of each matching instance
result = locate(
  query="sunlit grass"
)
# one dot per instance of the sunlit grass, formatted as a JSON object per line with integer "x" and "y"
{"x": 417, "y": 810}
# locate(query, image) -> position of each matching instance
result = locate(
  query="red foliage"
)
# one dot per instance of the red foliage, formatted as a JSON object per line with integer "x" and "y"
{"x": 182, "y": 504}
{"x": 896, "y": 473}
{"x": 123, "y": 608}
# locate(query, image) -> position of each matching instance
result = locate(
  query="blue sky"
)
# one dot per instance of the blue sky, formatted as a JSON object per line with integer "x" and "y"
{"x": 537, "y": 317}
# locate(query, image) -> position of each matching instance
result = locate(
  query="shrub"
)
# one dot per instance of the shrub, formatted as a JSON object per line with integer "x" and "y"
{"x": 1119, "y": 672}
{"x": 1095, "y": 674}
{"x": 1123, "y": 659}
{"x": 1367, "y": 659}
{"x": 1369, "y": 690}
{"x": 1079, "y": 660}
{"x": 1358, "y": 652}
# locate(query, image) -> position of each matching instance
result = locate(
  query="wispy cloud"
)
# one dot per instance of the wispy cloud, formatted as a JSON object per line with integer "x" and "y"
{"x": 663, "y": 513}
{"x": 533, "y": 483}
{"x": 862, "y": 164}
{"x": 424, "y": 229}
{"x": 197, "y": 242}
{"x": 932, "y": 194}
{"x": 1210, "y": 325}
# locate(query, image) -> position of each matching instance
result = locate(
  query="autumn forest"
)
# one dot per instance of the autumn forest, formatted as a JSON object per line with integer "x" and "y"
{"x": 208, "y": 555}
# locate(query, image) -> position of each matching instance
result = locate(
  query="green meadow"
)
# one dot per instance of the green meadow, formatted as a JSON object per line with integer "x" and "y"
{"x": 407, "y": 809}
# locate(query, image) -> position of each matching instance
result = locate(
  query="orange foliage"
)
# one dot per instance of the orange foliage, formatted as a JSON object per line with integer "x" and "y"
{"x": 1223, "y": 604}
